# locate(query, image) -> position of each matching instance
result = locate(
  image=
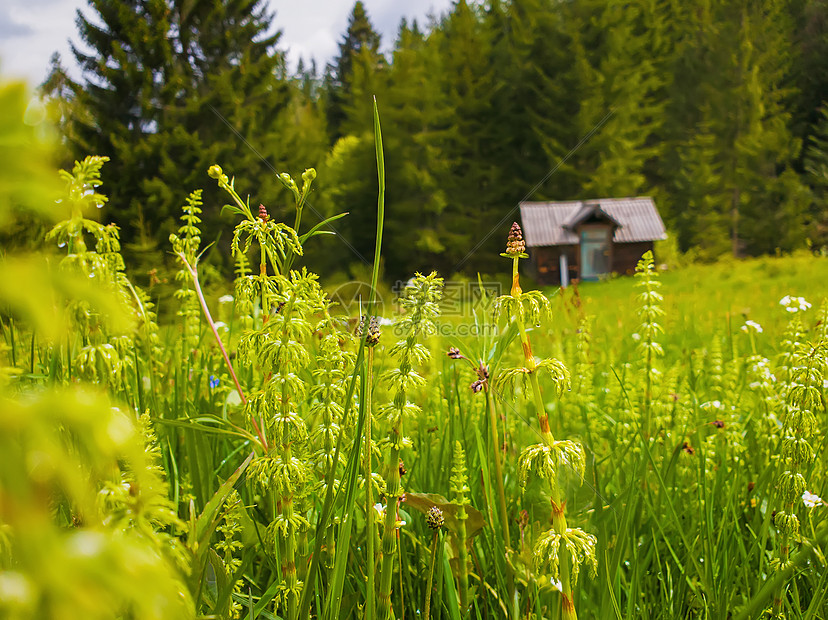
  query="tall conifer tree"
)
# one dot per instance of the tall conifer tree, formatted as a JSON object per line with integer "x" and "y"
{"x": 169, "y": 87}
{"x": 358, "y": 51}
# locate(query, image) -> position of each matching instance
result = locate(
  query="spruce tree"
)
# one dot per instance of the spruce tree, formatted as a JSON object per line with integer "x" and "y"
{"x": 416, "y": 114}
{"x": 809, "y": 73}
{"x": 816, "y": 165}
{"x": 734, "y": 60}
{"x": 537, "y": 97}
{"x": 359, "y": 47}
{"x": 471, "y": 145}
{"x": 169, "y": 87}
{"x": 348, "y": 180}
{"x": 616, "y": 51}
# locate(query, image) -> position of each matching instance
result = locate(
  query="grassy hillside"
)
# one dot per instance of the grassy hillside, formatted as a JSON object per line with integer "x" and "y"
{"x": 703, "y": 299}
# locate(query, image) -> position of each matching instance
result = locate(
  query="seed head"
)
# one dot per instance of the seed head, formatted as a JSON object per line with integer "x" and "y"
{"x": 454, "y": 353}
{"x": 434, "y": 518}
{"x": 515, "y": 246}
{"x": 373, "y": 335}
{"x": 718, "y": 424}
{"x": 403, "y": 470}
{"x": 263, "y": 213}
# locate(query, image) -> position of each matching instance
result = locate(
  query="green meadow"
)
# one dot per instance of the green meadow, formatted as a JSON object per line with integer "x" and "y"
{"x": 650, "y": 446}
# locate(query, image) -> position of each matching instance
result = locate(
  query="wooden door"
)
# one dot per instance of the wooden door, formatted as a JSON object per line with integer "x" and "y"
{"x": 595, "y": 251}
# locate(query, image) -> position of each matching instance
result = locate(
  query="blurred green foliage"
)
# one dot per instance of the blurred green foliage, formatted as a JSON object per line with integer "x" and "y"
{"x": 87, "y": 527}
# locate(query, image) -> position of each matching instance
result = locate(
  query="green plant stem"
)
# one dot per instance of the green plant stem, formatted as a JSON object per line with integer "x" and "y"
{"x": 370, "y": 359}
{"x": 392, "y": 492}
{"x": 380, "y": 206}
{"x": 501, "y": 495}
{"x": 263, "y": 275}
{"x": 784, "y": 559}
{"x": 463, "y": 559}
{"x": 389, "y": 534}
{"x": 286, "y": 505}
{"x": 369, "y": 491}
{"x": 400, "y": 575}
{"x": 431, "y": 574}
{"x": 289, "y": 557}
{"x": 755, "y": 608}
{"x": 558, "y": 505}
{"x": 194, "y": 275}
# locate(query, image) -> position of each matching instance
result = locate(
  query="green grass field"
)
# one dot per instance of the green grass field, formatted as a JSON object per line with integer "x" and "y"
{"x": 704, "y": 298}
{"x": 650, "y": 447}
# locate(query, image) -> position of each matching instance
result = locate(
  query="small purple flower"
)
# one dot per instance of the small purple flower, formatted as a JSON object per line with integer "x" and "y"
{"x": 213, "y": 382}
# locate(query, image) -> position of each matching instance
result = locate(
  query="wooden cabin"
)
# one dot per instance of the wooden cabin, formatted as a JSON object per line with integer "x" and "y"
{"x": 587, "y": 239}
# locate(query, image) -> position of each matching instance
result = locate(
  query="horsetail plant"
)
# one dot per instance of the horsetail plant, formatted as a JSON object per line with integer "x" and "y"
{"x": 420, "y": 301}
{"x": 279, "y": 347}
{"x": 186, "y": 243}
{"x": 562, "y": 548}
{"x": 103, "y": 357}
{"x": 460, "y": 491}
{"x": 371, "y": 334}
{"x": 434, "y": 521}
{"x": 230, "y": 529}
{"x": 648, "y": 347}
{"x": 482, "y": 384}
{"x": 329, "y": 392}
{"x": 805, "y": 371}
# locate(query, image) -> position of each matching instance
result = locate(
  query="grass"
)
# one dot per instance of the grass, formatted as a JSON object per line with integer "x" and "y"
{"x": 703, "y": 298}
{"x": 246, "y": 497}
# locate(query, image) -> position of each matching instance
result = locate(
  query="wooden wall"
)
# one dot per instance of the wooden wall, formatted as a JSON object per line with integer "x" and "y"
{"x": 625, "y": 256}
{"x": 545, "y": 261}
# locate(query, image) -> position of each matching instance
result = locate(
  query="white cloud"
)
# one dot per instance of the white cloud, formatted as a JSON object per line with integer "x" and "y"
{"x": 41, "y": 28}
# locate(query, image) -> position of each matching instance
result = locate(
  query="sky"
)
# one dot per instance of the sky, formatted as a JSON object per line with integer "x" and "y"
{"x": 32, "y": 30}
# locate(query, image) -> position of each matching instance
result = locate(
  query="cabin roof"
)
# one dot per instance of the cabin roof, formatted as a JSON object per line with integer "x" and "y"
{"x": 555, "y": 223}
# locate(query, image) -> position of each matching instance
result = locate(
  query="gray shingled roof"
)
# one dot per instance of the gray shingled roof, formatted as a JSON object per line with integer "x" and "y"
{"x": 544, "y": 223}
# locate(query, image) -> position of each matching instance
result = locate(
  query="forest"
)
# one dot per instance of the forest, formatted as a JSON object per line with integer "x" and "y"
{"x": 715, "y": 109}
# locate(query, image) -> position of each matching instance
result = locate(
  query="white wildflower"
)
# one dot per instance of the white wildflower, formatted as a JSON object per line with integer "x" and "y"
{"x": 752, "y": 325}
{"x": 794, "y": 304}
{"x": 811, "y": 500}
{"x": 226, "y": 299}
